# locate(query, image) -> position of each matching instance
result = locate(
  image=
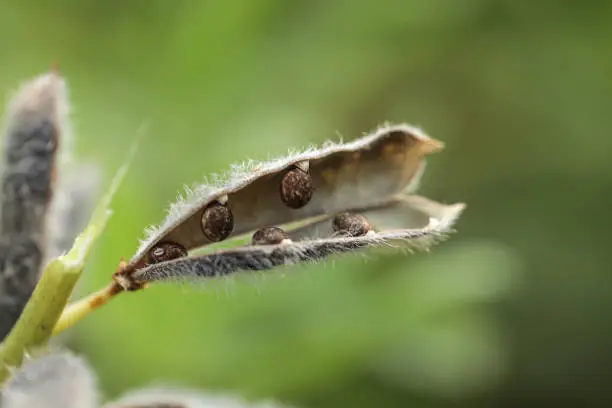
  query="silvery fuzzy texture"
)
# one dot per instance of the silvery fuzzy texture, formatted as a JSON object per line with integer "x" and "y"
{"x": 260, "y": 258}
{"x": 36, "y": 118}
{"x": 175, "y": 397}
{"x": 64, "y": 380}
{"x": 59, "y": 380}
{"x": 242, "y": 175}
{"x": 72, "y": 206}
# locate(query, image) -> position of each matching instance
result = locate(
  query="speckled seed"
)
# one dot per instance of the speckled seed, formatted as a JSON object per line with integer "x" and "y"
{"x": 217, "y": 222}
{"x": 351, "y": 224}
{"x": 296, "y": 188}
{"x": 269, "y": 236}
{"x": 165, "y": 251}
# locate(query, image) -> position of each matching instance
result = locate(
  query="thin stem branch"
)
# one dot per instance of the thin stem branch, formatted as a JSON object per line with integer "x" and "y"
{"x": 76, "y": 311}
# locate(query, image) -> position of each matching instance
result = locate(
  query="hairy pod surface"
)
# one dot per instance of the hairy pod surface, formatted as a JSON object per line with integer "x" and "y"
{"x": 260, "y": 258}
{"x": 58, "y": 380}
{"x": 410, "y": 222}
{"x": 35, "y": 120}
{"x": 175, "y": 397}
{"x": 338, "y": 177}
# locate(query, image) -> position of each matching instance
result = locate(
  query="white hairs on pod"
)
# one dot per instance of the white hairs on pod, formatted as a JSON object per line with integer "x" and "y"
{"x": 265, "y": 257}
{"x": 242, "y": 175}
{"x": 36, "y": 140}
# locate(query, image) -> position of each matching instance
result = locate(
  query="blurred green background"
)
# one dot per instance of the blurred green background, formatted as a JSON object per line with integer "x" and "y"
{"x": 513, "y": 310}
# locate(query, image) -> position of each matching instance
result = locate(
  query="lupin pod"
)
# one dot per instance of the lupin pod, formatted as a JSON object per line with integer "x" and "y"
{"x": 338, "y": 183}
{"x": 35, "y": 127}
{"x": 405, "y": 223}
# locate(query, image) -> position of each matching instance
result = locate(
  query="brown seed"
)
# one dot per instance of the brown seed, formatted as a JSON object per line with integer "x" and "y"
{"x": 269, "y": 236}
{"x": 165, "y": 251}
{"x": 217, "y": 222}
{"x": 296, "y": 188}
{"x": 351, "y": 224}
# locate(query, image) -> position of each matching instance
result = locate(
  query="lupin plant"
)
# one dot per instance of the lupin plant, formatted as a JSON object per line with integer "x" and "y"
{"x": 300, "y": 208}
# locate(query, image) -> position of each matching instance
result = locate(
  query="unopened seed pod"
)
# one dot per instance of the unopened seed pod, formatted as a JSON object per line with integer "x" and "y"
{"x": 35, "y": 138}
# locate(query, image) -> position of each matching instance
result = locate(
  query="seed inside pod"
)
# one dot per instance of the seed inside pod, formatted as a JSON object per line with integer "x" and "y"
{"x": 165, "y": 251}
{"x": 296, "y": 187}
{"x": 217, "y": 222}
{"x": 352, "y": 224}
{"x": 269, "y": 236}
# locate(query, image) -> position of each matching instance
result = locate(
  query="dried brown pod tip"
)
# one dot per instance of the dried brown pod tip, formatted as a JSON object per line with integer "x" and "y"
{"x": 269, "y": 236}
{"x": 349, "y": 223}
{"x": 165, "y": 251}
{"x": 296, "y": 188}
{"x": 217, "y": 222}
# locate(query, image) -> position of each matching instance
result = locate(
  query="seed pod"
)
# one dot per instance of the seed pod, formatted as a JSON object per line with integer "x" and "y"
{"x": 440, "y": 219}
{"x": 217, "y": 222}
{"x": 35, "y": 122}
{"x": 363, "y": 173}
{"x": 269, "y": 236}
{"x": 177, "y": 397}
{"x": 351, "y": 224}
{"x": 58, "y": 380}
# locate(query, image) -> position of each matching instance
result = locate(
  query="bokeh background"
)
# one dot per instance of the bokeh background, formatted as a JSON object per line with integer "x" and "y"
{"x": 514, "y": 310}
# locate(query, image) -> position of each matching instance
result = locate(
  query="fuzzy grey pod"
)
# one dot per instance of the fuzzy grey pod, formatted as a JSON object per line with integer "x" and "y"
{"x": 35, "y": 121}
{"x": 59, "y": 380}
{"x": 175, "y": 397}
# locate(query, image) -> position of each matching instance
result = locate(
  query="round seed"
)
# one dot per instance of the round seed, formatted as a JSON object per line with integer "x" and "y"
{"x": 166, "y": 251}
{"x": 351, "y": 224}
{"x": 217, "y": 222}
{"x": 269, "y": 236}
{"x": 296, "y": 188}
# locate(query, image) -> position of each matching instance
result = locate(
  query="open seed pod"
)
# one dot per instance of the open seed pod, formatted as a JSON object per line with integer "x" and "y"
{"x": 342, "y": 197}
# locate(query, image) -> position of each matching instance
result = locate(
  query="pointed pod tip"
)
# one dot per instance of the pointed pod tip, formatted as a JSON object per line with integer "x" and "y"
{"x": 453, "y": 213}
{"x": 458, "y": 207}
{"x": 41, "y": 96}
{"x": 430, "y": 146}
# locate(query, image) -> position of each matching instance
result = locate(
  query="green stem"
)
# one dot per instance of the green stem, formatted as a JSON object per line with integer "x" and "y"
{"x": 34, "y": 327}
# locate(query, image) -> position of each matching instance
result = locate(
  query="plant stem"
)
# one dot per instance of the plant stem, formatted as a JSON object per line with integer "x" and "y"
{"x": 34, "y": 327}
{"x": 76, "y": 311}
